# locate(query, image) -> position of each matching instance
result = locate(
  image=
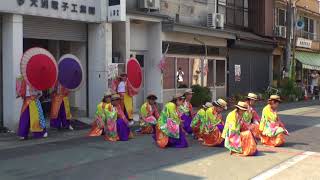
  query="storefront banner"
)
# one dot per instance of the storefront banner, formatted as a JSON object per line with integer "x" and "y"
{"x": 81, "y": 10}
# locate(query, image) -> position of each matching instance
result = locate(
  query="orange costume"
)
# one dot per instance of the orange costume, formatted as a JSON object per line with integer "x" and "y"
{"x": 272, "y": 129}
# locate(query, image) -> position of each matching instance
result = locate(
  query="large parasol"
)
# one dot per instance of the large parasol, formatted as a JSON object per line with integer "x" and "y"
{"x": 39, "y": 68}
{"x": 134, "y": 73}
{"x": 70, "y": 72}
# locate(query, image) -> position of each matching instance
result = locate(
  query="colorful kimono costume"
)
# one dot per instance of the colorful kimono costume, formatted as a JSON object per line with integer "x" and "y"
{"x": 60, "y": 109}
{"x": 116, "y": 128}
{"x": 197, "y": 122}
{"x": 31, "y": 118}
{"x": 186, "y": 110}
{"x": 212, "y": 128}
{"x": 169, "y": 132}
{"x": 126, "y": 91}
{"x": 148, "y": 118}
{"x": 100, "y": 119}
{"x": 236, "y": 141}
{"x": 272, "y": 129}
{"x": 251, "y": 122}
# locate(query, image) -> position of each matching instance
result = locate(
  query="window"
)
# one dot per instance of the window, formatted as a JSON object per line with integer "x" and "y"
{"x": 169, "y": 74}
{"x": 209, "y": 72}
{"x": 281, "y": 17}
{"x": 196, "y": 71}
{"x": 309, "y": 28}
{"x": 236, "y": 12}
{"x": 183, "y": 72}
{"x": 186, "y": 72}
{"x": 220, "y": 72}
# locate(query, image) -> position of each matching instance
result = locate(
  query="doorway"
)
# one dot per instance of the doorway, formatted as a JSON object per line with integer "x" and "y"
{"x": 78, "y": 100}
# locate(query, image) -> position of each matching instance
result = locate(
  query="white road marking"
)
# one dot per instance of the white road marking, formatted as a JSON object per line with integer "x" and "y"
{"x": 282, "y": 166}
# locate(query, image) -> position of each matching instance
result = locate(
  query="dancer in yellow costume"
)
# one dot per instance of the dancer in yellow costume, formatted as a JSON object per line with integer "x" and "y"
{"x": 237, "y": 142}
{"x": 272, "y": 129}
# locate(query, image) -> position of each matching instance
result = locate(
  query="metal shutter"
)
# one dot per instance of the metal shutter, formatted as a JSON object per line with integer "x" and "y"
{"x": 54, "y": 29}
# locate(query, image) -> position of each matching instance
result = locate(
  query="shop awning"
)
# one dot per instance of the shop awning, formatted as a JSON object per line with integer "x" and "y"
{"x": 308, "y": 60}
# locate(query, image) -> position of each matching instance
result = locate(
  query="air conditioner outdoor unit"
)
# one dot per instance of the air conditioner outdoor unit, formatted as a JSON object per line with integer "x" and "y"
{"x": 149, "y": 4}
{"x": 215, "y": 20}
{"x": 219, "y": 21}
{"x": 210, "y": 20}
{"x": 281, "y": 31}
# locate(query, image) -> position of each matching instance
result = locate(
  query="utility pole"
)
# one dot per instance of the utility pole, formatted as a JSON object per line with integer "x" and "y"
{"x": 289, "y": 25}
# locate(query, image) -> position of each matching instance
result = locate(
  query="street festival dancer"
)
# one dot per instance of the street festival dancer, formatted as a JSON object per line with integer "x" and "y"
{"x": 237, "y": 142}
{"x": 198, "y": 120}
{"x": 97, "y": 128}
{"x": 272, "y": 129}
{"x": 32, "y": 117}
{"x": 149, "y": 115}
{"x": 169, "y": 131}
{"x": 251, "y": 118}
{"x": 60, "y": 113}
{"x": 187, "y": 112}
{"x": 213, "y": 125}
{"x": 124, "y": 88}
{"x": 116, "y": 126}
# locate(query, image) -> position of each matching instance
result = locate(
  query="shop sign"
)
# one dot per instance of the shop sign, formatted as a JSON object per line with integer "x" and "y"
{"x": 237, "y": 72}
{"x": 83, "y": 10}
{"x": 304, "y": 43}
{"x": 117, "y": 10}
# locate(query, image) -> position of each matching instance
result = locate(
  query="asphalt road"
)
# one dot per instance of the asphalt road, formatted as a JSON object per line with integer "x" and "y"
{"x": 139, "y": 159}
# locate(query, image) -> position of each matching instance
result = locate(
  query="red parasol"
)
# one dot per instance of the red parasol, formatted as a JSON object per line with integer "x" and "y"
{"x": 134, "y": 73}
{"x": 39, "y": 68}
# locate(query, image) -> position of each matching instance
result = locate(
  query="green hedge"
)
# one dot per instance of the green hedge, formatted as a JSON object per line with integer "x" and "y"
{"x": 201, "y": 95}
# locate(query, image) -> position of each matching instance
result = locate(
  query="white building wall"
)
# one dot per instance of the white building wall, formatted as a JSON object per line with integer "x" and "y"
{"x": 153, "y": 79}
{"x": 79, "y": 98}
{"x": 138, "y": 36}
{"x": 12, "y": 52}
{"x": 100, "y": 40}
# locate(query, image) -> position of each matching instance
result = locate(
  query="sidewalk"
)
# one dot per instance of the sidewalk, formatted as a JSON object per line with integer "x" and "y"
{"x": 10, "y": 140}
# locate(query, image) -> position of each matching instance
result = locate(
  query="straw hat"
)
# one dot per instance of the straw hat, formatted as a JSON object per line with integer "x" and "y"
{"x": 221, "y": 103}
{"x": 152, "y": 96}
{"x": 252, "y": 96}
{"x": 115, "y": 97}
{"x": 275, "y": 98}
{"x": 207, "y": 105}
{"x": 188, "y": 91}
{"x": 242, "y": 105}
{"x": 178, "y": 95}
{"x": 108, "y": 93}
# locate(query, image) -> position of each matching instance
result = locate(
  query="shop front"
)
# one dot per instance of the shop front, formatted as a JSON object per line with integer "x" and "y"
{"x": 61, "y": 27}
{"x": 194, "y": 56}
{"x": 249, "y": 64}
{"x": 60, "y": 37}
{"x": 306, "y": 63}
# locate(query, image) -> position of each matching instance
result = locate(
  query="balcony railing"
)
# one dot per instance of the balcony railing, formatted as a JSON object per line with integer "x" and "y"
{"x": 308, "y": 35}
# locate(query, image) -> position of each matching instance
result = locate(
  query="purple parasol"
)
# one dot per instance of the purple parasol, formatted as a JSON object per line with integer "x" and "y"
{"x": 70, "y": 72}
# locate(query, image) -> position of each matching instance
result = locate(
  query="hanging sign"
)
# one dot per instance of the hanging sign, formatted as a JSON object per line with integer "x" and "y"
{"x": 237, "y": 72}
{"x": 117, "y": 10}
{"x": 304, "y": 43}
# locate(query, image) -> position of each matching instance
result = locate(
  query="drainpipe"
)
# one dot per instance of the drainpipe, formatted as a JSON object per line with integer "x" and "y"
{"x": 202, "y": 60}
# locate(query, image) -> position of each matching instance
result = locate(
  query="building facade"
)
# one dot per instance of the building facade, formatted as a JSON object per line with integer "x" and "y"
{"x": 250, "y": 55}
{"x": 176, "y": 32}
{"x": 305, "y": 38}
{"x": 60, "y": 26}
